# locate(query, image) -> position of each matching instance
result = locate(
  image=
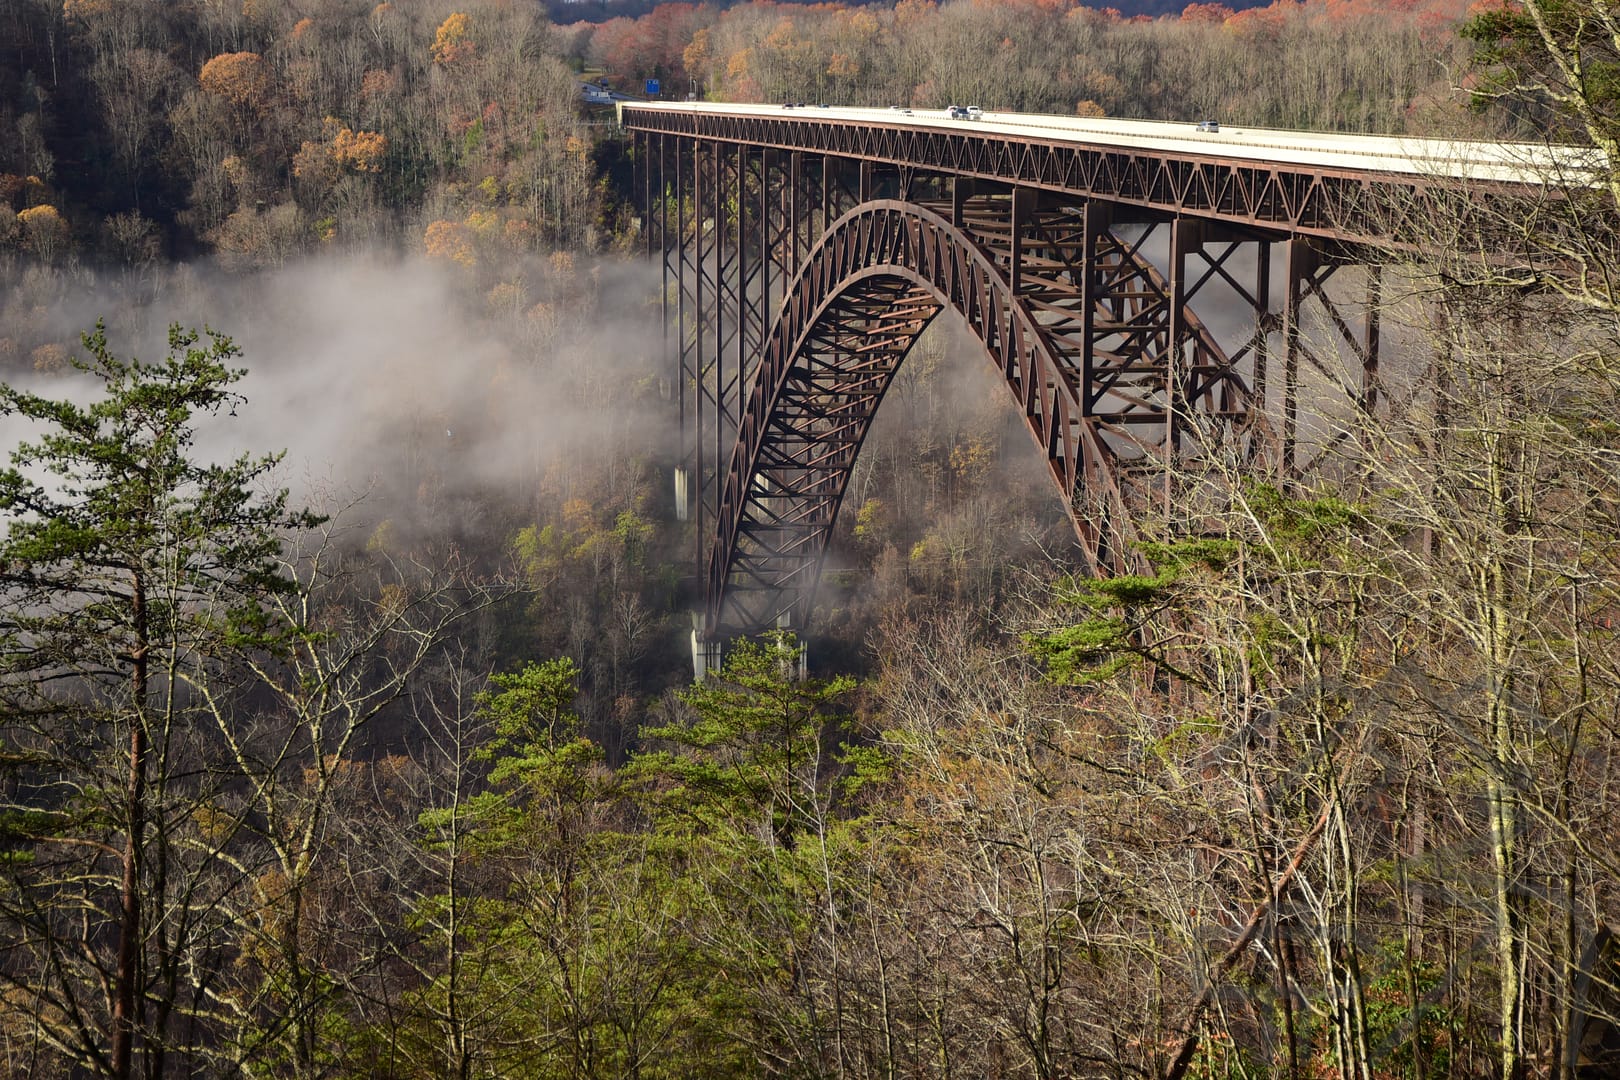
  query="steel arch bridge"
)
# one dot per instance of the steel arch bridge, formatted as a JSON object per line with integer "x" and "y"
{"x": 804, "y": 251}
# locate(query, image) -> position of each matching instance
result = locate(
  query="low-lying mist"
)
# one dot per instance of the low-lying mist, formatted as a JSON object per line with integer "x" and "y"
{"x": 393, "y": 378}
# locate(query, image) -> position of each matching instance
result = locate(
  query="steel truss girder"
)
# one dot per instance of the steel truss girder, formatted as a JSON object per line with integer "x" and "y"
{"x": 1018, "y": 276}
{"x": 1108, "y": 398}
{"x": 732, "y": 224}
{"x": 1355, "y": 205}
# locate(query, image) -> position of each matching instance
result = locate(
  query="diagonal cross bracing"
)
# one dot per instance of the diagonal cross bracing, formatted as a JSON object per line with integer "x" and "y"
{"x": 802, "y": 280}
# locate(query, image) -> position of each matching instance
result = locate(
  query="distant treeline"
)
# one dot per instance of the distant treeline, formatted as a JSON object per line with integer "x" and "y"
{"x": 258, "y": 131}
{"x": 1344, "y": 64}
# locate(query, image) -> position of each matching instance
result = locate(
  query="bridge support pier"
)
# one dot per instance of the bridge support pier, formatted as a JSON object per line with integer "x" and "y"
{"x": 683, "y": 494}
{"x": 706, "y": 652}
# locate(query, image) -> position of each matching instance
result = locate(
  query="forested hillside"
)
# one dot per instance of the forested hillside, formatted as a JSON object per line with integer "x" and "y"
{"x": 346, "y": 718}
{"x": 1336, "y": 66}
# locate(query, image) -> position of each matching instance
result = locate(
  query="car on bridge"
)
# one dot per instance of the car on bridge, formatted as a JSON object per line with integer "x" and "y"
{"x": 1209, "y": 126}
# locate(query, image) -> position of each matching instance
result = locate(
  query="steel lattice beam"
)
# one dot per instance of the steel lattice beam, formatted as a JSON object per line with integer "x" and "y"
{"x": 1342, "y": 204}
{"x": 800, "y": 282}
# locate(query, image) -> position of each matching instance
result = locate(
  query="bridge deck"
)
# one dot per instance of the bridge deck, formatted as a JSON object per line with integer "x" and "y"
{"x": 1534, "y": 163}
{"x": 1309, "y": 183}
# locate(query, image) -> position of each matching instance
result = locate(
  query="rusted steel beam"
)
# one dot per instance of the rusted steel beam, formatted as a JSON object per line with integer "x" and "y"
{"x": 789, "y": 324}
{"x": 869, "y": 289}
{"x": 1346, "y": 204}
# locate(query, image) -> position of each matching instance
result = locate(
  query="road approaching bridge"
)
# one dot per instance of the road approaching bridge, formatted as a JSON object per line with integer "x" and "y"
{"x": 806, "y": 247}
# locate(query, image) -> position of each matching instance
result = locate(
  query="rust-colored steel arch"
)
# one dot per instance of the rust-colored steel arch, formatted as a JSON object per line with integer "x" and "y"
{"x": 1045, "y": 312}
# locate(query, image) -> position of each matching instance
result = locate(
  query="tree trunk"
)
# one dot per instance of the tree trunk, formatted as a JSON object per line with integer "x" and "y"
{"x": 129, "y": 928}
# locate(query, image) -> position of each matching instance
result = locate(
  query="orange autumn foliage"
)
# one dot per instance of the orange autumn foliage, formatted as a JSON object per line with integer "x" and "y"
{"x": 241, "y": 78}
{"x": 362, "y": 151}
{"x": 378, "y": 83}
{"x": 85, "y": 9}
{"x": 907, "y": 12}
{"x": 449, "y": 240}
{"x": 313, "y": 160}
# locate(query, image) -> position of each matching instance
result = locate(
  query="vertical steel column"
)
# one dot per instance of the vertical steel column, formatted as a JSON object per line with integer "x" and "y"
{"x": 1185, "y": 234}
{"x": 1369, "y": 356}
{"x": 781, "y": 234}
{"x": 686, "y": 493}
{"x": 641, "y": 148}
{"x": 663, "y": 240}
{"x": 826, "y": 196}
{"x": 761, "y": 286}
{"x": 659, "y": 214}
{"x": 961, "y": 192}
{"x": 1301, "y": 259}
{"x": 795, "y": 180}
{"x": 733, "y": 389}
{"x": 699, "y": 485}
{"x": 1097, "y": 218}
{"x": 1263, "y": 322}
{"x": 1023, "y": 206}
{"x": 717, "y": 361}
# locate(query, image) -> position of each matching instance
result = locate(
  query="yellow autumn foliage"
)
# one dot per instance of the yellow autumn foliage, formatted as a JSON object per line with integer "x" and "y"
{"x": 520, "y": 234}
{"x": 235, "y": 170}
{"x": 44, "y": 231}
{"x": 543, "y": 320}
{"x": 49, "y": 359}
{"x": 505, "y": 297}
{"x": 41, "y": 217}
{"x": 450, "y": 42}
{"x": 359, "y": 151}
{"x": 972, "y": 461}
{"x": 696, "y": 55}
{"x": 393, "y": 600}
{"x": 214, "y": 825}
{"x": 782, "y": 36}
{"x": 449, "y": 240}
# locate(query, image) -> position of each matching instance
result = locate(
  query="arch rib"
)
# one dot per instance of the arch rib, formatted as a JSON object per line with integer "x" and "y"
{"x": 1084, "y": 345}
